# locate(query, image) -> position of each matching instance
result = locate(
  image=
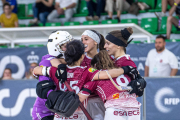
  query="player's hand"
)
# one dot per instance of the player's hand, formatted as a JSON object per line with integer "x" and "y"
{"x": 138, "y": 85}
{"x": 61, "y": 73}
{"x": 43, "y": 87}
{"x": 130, "y": 71}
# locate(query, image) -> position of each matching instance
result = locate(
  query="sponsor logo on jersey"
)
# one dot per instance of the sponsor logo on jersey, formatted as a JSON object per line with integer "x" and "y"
{"x": 116, "y": 96}
{"x": 126, "y": 113}
{"x": 91, "y": 69}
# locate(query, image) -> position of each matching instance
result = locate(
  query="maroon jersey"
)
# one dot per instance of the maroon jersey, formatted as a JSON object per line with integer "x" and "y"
{"x": 124, "y": 60}
{"x": 110, "y": 94}
{"x": 86, "y": 61}
{"x": 76, "y": 77}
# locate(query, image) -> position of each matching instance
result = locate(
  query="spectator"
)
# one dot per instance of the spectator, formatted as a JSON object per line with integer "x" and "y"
{"x": 8, "y": 19}
{"x": 29, "y": 74}
{"x": 63, "y": 7}
{"x": 13, "y": 4}
{"x": 160, "y": 62}
{"x": 119, "y": 6}
{"x": 172, "y": 20}
{"x": 97, "y": 7}
{"x": 7, "y": 75}
{"x": 41, "y": 9}
{"x": 164, "y": 7}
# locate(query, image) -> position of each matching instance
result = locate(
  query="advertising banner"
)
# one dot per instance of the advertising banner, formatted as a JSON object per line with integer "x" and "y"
{"x": 162, "y": 99}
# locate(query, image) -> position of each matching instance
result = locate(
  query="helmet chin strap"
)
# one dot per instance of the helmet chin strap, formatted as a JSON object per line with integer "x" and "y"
{"x": 60, "y": 55}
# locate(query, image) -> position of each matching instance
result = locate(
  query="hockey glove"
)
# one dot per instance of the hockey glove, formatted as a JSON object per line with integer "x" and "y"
{"x": 43, "y": 87}
{"x": 61, "y": 73}
{"x": 130, "y": 71}
{"x": 138, "y": 85}
{"x": 63, "y": 103}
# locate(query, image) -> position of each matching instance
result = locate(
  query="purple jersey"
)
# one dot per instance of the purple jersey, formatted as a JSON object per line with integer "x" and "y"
{"x": 39, "y": 108}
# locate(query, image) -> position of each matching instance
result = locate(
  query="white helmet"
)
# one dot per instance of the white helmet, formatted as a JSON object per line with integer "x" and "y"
{"x": 56, "y": 39}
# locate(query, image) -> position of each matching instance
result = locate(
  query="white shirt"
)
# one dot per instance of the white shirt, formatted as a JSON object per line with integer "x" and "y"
{"x": 160, "y": 64}
{"x": 65, "y": 3}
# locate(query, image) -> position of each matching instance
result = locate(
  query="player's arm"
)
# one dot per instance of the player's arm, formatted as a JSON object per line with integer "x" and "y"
{"x": 146, "y": 71}
{"x": 82, "y": 97}
{"x": 55, "y": 62}
{"x": 115, "y": 72}
{"x": 38, "y": 70}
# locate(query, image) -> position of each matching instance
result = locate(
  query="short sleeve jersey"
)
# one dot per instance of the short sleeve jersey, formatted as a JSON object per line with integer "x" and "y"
{"x": 86, "y": 61}
{"x": 77, "y": 77}
{"x": 39, "y": 104}
{"x": 45, "y": 61}
{"x": 110, "y": 94}
{"x": 124, "y": 60}
{"x": 9, "y": 22}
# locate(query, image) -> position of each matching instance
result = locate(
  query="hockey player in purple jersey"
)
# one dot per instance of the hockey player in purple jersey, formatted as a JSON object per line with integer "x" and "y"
{"x": 56, "y": 47}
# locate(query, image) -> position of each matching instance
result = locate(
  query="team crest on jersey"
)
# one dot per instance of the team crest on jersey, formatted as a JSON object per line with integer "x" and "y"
{"x": 91, "y": 69}
{"x": 41, "y": 66}
{"x": 116, "y": 96}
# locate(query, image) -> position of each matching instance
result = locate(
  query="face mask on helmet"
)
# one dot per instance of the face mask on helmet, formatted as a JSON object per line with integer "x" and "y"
{"x": 57, "y": 41}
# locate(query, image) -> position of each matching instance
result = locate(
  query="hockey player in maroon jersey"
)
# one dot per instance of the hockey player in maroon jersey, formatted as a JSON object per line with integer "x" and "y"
{"x": 116, "y": 43}
{"x": 93, "y": 41}
{"x": 120, "y": 105}
{"x": 77, "y": 76}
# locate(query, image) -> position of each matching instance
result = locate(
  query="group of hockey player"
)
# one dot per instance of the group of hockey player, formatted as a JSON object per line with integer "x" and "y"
{"x": 105, "y": 82}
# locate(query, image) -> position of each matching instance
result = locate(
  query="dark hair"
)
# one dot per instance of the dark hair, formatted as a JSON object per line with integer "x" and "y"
{"x": 6, "y": 4}
{"x": 161, "y": 36}
{"x": 74, "y": 51}
{"x": 102, "y": 61}
{"x": 118, "y": 34}
{"x": 102, "y": 40}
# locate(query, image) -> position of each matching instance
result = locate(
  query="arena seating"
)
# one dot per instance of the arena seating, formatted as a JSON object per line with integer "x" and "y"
{"x": 152, "y": 25}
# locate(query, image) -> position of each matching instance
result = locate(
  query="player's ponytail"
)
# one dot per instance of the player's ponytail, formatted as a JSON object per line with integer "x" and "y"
{"x": 102, "y": 43}
{"x": 102, "y": 61}
{"x": 74, "y": 51}
{"x": 120, "y": 37}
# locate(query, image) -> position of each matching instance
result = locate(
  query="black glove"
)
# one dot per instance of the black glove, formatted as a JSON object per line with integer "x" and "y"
{"x": 63, "y": 103}
{"x": 61, "y": 73}
{"x": 43, "y": 87}
{"x": 140, "y": 93}
{"x": 138, "y": 85}
{"x": 130, "y": 71}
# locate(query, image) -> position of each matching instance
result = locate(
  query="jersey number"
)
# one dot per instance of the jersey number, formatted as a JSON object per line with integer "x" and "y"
{"x": 72, "y": 83}
{"x": 119, "y": 82}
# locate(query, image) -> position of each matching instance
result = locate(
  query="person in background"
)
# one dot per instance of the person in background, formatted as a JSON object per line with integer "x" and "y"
{"x": 172, "y": 20}
{"x": 7, "y": 74}
{"x": 160, "y": 62}
{"x": 13, "y": 4}
{"x": 118, "y": 6}
{"x": 97, "y": 7}
{"x": 65, "y": 7}
{"x": 165, "y": 3}
{"x": 8, "y": 19}
{"x": 29, "y": 74}
{"x": 41, "y": 9}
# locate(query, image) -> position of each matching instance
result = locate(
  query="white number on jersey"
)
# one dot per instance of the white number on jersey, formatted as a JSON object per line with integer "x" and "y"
{"x": 119, "y": 82}
{"x": 72, "y": 83}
